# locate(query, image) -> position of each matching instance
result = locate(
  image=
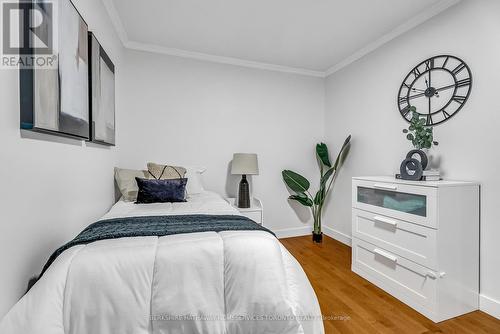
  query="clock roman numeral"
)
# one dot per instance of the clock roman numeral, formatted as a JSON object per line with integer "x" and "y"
{"x": 429, "y": 120}
{"x": 458, "y": 69}
{"x": 463, "y": 82}
{"x": 416, "y": 72}
{"x": 429, "y": 64}
{"x": 405, "y": 111}
{"x": 459, "y": 99}
{"x": 403, "y": 100}
{"x": 446, "y": 61}
{"x": 445, "y": 114}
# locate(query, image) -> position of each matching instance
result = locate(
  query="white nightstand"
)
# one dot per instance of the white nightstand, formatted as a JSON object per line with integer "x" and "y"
{"x": 255, "y": 212}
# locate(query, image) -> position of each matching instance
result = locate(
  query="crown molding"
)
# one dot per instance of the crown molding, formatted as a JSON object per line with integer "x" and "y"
{"x": 220, "y": 59}
{"x": 116, "y": 20}
{"x": 398, "y": 31}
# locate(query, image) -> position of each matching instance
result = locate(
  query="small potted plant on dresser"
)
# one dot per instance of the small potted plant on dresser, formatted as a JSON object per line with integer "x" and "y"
{"x": 422, "y": 139}
{"x": 300, "y": 185}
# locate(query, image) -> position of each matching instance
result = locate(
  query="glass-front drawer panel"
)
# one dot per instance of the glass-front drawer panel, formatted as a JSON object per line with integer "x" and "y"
{"x": 399, "y": 201}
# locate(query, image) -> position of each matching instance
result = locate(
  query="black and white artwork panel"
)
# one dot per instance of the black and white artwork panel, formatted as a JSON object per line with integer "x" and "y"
{"x": 56, "y": 100}
{"x": 73, "y": 72}
{"x": 103, "y": 94}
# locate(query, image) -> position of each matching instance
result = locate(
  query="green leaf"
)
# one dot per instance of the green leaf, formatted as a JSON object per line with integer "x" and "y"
{"x": 340, "y": 158}
{"x": 327, "y": 175}
{"x": 306, "y": 201}
{"x": 301, "y": 195}
{"x": 413, "y": 109}
{"x": 410, "y": 137}
{"x": 405, "y": 130}
{"x": 322, "y": 152}
{"x": 320, "y": 196}
{"x": 436, "y": 143}
{"x": 295, "y": 181}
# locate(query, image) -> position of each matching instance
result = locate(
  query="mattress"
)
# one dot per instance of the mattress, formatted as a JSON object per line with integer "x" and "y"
{"x": 210, "y": 282}
{"x": 207, "y": 202}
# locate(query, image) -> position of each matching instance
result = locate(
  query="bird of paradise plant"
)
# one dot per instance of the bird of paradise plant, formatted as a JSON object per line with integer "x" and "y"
{"x": 300, "y": 185}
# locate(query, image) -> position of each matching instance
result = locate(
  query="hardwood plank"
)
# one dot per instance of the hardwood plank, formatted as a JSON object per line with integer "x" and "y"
{"x": 341, "y": 292}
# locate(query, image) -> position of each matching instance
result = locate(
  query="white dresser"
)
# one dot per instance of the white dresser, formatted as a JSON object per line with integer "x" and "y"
{"x": 419, "y": 241}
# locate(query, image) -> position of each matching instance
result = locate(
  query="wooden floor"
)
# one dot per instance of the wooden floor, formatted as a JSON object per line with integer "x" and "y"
{"x": 361, "y": 307}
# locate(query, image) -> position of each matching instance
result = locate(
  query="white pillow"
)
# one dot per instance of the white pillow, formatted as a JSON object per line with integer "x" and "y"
{"x": 125, "y": 179}
{"x": 195, "y": 180}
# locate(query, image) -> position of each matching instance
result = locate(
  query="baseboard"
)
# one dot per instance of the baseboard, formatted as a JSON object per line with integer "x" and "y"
{"x": 339, "y": 236}
{"x": 307, "y": 230}
{"x": 293, "y": 232}
{"x": 490, "y": 306}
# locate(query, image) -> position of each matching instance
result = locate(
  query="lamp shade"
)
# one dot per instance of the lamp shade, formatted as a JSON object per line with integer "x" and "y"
{"x": 245, "y": 164}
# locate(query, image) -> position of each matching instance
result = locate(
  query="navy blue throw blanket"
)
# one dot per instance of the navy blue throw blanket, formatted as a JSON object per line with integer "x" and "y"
{"x": 157, "y": 226}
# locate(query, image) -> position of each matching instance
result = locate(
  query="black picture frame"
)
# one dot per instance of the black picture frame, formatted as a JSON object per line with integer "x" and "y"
{"x": 102, "y": 112}
{"x": 34, "y": 86}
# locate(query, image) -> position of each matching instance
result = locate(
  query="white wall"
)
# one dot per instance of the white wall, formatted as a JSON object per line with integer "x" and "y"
{"x": 51, "y": 187}
{"x": 362, "y": 99}
{"x": 181, "y": 111}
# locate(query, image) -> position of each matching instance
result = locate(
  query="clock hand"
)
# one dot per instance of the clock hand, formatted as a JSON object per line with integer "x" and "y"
{"x": 427, "y": 83}
{"x": 430, "y": 79}
{"x": 436, "y": 93}
{"x": 417, "y": 90}
{"x": 430, "y": 85}
{"x": 445, "y": 88}
{"x": 430, "y": 105}
{"x": 416, "y": 96}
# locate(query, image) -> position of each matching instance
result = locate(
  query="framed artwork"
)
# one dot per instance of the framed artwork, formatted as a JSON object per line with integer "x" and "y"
{"x": 102, "y": 94}
{"x": 56, "y": 100}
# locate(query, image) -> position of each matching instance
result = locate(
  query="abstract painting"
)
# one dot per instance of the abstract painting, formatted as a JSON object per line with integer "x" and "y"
{"x": 56, "y": 100}
{"x": 102, "y": 96}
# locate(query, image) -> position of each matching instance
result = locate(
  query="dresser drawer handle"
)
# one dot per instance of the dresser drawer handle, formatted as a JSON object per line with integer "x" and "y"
{"x": 431, "y": 274}
{"x": 385, "y": 186}
{"x": 434, "y": 275}
{"x": 386, "y": 255}
{"x": 385, "y": 221}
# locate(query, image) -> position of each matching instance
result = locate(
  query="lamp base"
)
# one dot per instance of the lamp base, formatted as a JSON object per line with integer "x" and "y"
{"x": 244, "y": 193}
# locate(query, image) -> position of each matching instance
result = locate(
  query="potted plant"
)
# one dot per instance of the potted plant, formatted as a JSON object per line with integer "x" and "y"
{"x": 421, "y": 137}
{"x": 300, "y": 185}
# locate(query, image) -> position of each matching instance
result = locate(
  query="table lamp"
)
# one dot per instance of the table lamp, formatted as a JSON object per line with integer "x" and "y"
{"x": 244, "y": 164}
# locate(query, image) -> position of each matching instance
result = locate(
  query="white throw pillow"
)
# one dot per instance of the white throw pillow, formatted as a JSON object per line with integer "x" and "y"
{"x": 125, "y": 179}
{"x": 195, "y": 180}
{"x": 194, "y": 176}
{"x": 166, "y": 172}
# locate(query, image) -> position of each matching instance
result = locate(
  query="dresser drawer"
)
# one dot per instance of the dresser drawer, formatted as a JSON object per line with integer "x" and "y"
{"x": 411, "y": 283}
{"x": 414, "y": 204}
{"x": 412, "y": 241}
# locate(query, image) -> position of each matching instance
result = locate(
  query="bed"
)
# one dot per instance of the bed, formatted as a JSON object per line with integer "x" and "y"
{"x": 211, "y": 279}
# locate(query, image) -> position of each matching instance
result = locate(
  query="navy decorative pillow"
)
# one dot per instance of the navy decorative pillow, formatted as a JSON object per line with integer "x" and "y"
{"x": 161, "y": 191}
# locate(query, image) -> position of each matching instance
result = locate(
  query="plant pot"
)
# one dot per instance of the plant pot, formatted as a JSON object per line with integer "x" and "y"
{"x": 318, "y": 237}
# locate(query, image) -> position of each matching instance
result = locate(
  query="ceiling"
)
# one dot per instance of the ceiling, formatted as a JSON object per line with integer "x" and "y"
{"x": 309, "y": 37}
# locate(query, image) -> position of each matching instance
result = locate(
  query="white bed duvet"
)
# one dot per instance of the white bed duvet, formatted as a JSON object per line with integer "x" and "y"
{"x": 227, "y": 282}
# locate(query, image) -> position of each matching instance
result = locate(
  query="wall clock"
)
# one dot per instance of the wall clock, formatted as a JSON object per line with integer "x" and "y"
{"x": 438, "y": 87}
